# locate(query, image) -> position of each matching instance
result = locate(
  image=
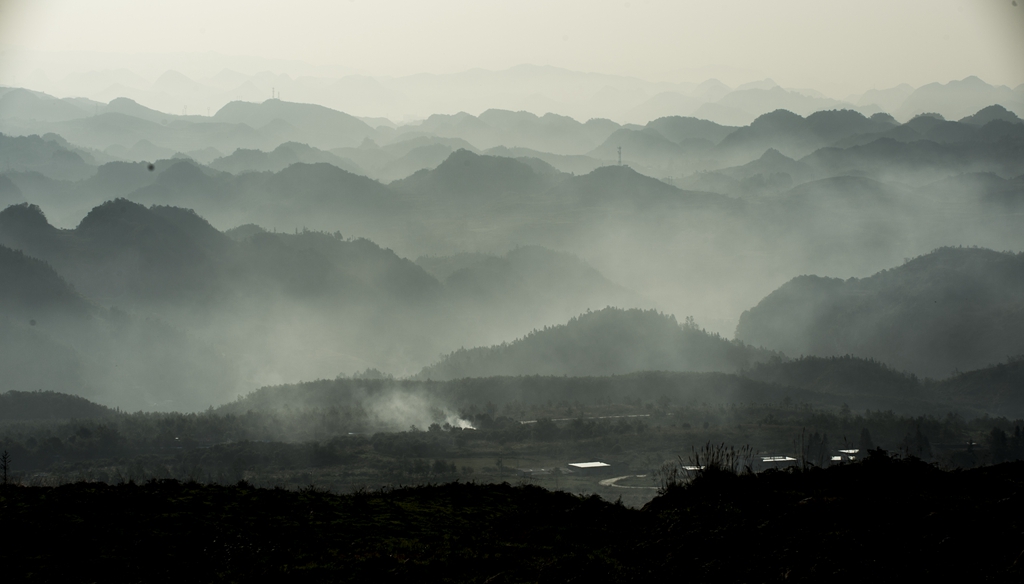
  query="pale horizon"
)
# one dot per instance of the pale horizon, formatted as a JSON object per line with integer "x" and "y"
{"x": 832, "y": 49}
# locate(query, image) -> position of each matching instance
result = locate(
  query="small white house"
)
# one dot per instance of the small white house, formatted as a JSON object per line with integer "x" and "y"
{"x": 590, "y": 468}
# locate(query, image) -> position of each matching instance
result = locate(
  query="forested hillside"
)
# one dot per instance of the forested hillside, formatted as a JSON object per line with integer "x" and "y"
{"x": 20, "y": 406}
{"x": 52, "y": 339}
{"x": 279, "y": 306}
{"x": 606, "y": 342}
{"x": 953, "y": 309}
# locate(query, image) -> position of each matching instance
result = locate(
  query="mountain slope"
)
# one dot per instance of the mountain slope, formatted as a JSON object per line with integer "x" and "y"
{"x": 49, "y": 155}
{"x": 273, "y": 306}
{"x": 771, "y": 173}
{"x": 313, "y": 124}
{"x": 623, "y": 187}
{"x": 53, "y": 339}
{"x": 953, "y": 309}
{"x": 470, "y": 177}
{"x": 607, "y": 342}
{"x": 20, "y": 103}
{"x": 958, "y": 98}
{"x": 844, "y": 375}
{"x": 29, "y": 286}
{"x": 527, "y": 287}
{"x": 922, "y": 161}
{"x": 995, "y": 389}
{"x": 124, "y": 250}
{"x": 648, "y": 148}
{"x": 243, "y": 160}
{"x": 48, "y": 405}
{"x": 796, "y": 136}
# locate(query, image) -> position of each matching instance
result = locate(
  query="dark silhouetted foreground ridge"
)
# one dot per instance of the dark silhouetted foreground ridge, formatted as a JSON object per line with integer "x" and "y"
{"x": 881, "y": 521}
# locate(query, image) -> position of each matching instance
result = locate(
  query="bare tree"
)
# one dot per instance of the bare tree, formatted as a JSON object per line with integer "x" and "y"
{"x": 5, "y": 464}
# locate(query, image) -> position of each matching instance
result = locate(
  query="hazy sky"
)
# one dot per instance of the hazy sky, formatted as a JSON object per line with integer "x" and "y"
{"x": 831, "y": 46}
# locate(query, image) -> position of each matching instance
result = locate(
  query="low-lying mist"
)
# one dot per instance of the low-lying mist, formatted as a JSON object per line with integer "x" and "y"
{"x": 409, "y": 408}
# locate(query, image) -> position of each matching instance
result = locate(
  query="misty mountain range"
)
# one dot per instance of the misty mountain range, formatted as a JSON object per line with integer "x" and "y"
{"x": 493, "y": 291}
{"x": 166, "y": 264}
{"x": 525, "y": 87}
{"x": 160, "y": 261}
{"x": 689, "y": 152}
{"x": 830, "y": 382}
{"x": 261, "y": 298}
{"x": 494, "y": 203}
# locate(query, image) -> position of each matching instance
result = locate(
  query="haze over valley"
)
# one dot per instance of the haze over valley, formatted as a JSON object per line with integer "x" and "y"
{"x": 923, "y": 179}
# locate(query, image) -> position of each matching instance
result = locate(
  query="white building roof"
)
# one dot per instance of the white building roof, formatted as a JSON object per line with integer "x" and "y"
{"x": 777, "y": 459}
{"x": 588, "y": 464}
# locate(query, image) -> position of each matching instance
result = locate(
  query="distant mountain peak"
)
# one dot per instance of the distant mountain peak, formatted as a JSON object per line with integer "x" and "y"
{"x": 605, "y": 342}
{"x": 884, "y": 117}
{"x": 991, "y": 113}
{"x": 461, "y": 155}
{"x": 182, "y": 170}
{"x": 508, "y": 114}
{"x": 461, "y": 158}
{"x": 779, "y": 114}
{"x": 173, "y": 81}
{"x": 972, "y": 80}
{"x": 24, "y": 216}
{"x": 713, "y": 83}
{"x": 778, "y": 120}
{"x": 765, "y": 83}
{"x": 172, "y": 74}
{"x": 112, "y": 208}
{"x": 32, "y": 285}
{"x": 773, "y": 155}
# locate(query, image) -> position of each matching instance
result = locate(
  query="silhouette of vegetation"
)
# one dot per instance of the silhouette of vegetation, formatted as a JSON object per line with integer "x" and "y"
{"x": 606, "y": 342}
{"x": 801, "y": 523}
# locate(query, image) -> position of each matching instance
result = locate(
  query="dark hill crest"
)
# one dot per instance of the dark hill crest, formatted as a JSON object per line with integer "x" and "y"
{"x": 680, "y": 129}
{"x": 24, "y": 216}
{"x": 992, "y": 113}
{"x": 951, "y": 309}
{"x": 26, "y": 227}
{"x": 797, "y": 136}
{"x": 607, "y": 342}
{"x": 621, "y": 186}
{"x": 321, "y": 126}
{"x": 465, "y": 174}
{"x": 49, "y": 405}
{"x": 324, "y": 176}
